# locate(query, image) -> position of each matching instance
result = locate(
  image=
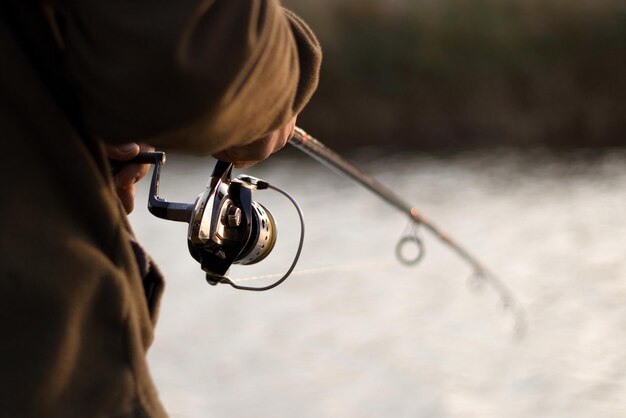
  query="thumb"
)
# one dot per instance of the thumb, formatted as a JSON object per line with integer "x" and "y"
{"x": 122, "y": 152}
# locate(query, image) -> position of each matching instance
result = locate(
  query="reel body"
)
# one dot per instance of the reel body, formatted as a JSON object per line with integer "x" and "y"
{"x": 226, "y": 226}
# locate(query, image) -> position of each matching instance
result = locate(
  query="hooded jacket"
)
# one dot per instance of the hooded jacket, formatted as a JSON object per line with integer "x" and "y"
{"x": 192, "y": 76}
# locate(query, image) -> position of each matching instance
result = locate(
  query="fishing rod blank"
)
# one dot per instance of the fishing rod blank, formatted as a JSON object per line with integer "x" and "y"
{"x": 320, "y": 152}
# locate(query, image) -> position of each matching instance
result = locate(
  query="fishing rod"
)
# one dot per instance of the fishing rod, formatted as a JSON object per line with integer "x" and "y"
{"x": 320, "y": 152}
{"x": 226, "y": 226}
{"x": 317, "y": 150}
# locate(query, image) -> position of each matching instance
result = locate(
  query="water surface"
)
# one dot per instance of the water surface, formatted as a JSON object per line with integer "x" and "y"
{"x": 355, "y": 334}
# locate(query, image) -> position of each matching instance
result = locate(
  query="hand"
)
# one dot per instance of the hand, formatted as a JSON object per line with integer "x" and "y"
{"x": 247, "y": 155}
{"x": 129, "y": 174}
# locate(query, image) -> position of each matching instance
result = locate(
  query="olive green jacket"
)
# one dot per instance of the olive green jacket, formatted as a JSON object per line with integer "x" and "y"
{"x": 192, "y": 76}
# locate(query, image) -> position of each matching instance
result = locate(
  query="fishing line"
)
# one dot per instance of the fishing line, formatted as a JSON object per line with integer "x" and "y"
{"x": 323, "y": 269}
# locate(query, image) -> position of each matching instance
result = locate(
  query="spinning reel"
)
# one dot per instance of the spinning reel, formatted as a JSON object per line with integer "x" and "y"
{"x": 226, "y": 226}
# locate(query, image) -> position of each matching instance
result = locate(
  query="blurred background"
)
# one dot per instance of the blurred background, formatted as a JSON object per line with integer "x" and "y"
{"x": 426, "y": 74}
{"x": 504, "y": 122}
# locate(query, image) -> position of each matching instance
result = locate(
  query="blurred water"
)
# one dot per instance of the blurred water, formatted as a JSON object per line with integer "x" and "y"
{"x": 367, "y": 337}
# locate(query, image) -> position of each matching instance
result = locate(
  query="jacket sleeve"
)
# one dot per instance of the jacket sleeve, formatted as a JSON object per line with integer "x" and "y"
{"x": 194, "y": 76}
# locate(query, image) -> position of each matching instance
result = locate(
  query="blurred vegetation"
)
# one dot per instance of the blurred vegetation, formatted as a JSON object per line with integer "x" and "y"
{"x": 446, "y": 74}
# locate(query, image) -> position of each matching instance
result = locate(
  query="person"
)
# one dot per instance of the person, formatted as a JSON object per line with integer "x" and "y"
{"x": 79, "y": 298}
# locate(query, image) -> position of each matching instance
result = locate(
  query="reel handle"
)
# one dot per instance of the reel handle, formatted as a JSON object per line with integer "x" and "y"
{"x": 158, "y": 206}
{"x": 144, "y": 157}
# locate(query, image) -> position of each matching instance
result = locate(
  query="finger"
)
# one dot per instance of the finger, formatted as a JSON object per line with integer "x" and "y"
{"x": 126, "y": 195}
{"x": 255, "y": 151}
{"x": 145, "y": 147}
{"x": 262, "y": 148}
{"x": 122, "y": 152}
{"x": 131, "y": 174}
{"x": 244, "y": 164}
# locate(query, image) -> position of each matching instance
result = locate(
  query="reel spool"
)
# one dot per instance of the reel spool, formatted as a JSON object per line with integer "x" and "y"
{"x": 226, "y": 226}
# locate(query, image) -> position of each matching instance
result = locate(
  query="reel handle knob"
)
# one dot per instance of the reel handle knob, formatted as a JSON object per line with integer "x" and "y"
{"x": 144, "y": 157}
